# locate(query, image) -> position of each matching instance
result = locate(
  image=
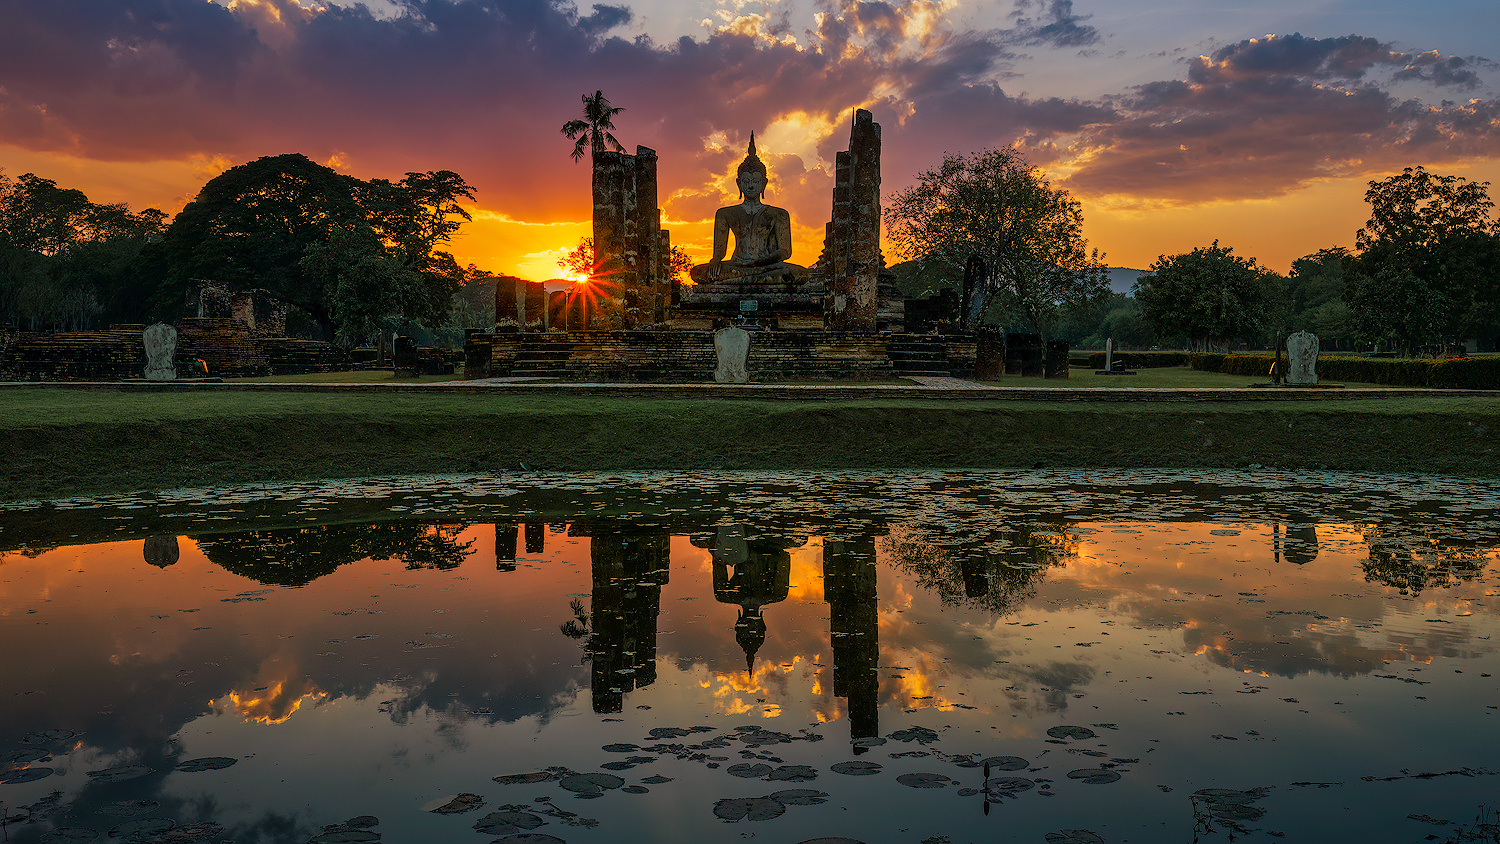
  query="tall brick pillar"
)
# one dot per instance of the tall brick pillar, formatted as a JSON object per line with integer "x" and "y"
{"x": 853, "y": 236}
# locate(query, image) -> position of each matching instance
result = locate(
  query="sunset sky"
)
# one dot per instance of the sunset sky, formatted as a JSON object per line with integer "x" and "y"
{"x": 1256, "y": 122}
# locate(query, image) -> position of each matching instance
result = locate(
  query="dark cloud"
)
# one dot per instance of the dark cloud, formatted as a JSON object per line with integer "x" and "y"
{"x": 1433, "y": 67}
{"x": 1265, "y": 117}
{"x": 1056, "y": 26}
{"x": 605, "y": 18}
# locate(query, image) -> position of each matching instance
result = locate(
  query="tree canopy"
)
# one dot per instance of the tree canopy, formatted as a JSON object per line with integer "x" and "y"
{"x": 995, "y": 207}
{"x": 1429, "y": 263}
{"x": 348, "y": 252}
{"x": 1209, "y": 295}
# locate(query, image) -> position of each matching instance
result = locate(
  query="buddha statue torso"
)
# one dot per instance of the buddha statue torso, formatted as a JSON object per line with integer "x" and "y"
{"x": 762, "y": 236}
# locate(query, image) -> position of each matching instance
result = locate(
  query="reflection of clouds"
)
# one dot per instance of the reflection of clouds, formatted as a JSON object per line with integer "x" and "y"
{"x": 1295, "y": 620}
{"x": 762, "y": 691}
{"x": 264, "y": 700}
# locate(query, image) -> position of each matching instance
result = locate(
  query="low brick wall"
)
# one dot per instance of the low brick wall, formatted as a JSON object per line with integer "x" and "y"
{"x": 226, "y": 346}
{"x": 689, "y": 356}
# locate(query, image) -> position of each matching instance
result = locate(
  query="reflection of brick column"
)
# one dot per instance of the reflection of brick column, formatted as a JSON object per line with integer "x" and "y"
{"x": 536, "y": 538}
{"x": 629, "y": 571}
{"x": 853, "y": 621}
{"x": 505, "y": 546}
{"x": 854, "y": 234}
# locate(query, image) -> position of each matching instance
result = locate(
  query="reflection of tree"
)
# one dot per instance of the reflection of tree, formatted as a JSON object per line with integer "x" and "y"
{"x": 298, "y": 556}
{"x": 996, "y": 573}
{"x": 1413, "y": 562}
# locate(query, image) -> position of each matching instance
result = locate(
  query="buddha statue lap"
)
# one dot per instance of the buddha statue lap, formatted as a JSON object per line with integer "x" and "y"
{"x": 762, "y": 237}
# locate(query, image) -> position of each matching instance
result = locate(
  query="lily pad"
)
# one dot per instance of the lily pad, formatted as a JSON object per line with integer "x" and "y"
{"x": 22, "y": 756}
{"x": 49, "y": 736}
{"x": 343, "y": 836}
{"x": 1094, "y": 776}
{"x": 1005, "y": 763}
{"x": 507, "y": 823}
{"x": 206, "y": 763}
{"x": 659, "y": 733}
{"x": 455, "y": 804}
{"x": 592, "y": 783}
{"x": 120, "y": 773}
{"x": 655, "y": 779}
{"x": 1225, "y": 796}
{"x": 857, "y": 768}
{"x": 921, "y": 735}
{"x": 1007, "y": 786}
{"x": 70, "y": 835}
{"x": 517, "y": 779}
{"x": 620, "y": 748}
{"x": 924, "y": 780}
{"x": 1238, "y": 812}
{"x": 1073, "y": 733}
{"x": 636, "y": 789}
{"x": 128, "y": 808}
{"x": 799, "y": 797}
{"x": 868, "y": 741}
{"x": 748, "y": 771}
{"x": 23, "y": 775}
{"x": 793, "y": 773}
{"x": 194, "y": 830}
{"x": 1073, "y": 836}
{"x": 142, "y": 827}
{"x": 749, "y": 809}
{"x": 529, "y": 838}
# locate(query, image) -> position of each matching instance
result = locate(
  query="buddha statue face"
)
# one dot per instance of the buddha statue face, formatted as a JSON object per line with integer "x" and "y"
{"x": 752, "y": 184}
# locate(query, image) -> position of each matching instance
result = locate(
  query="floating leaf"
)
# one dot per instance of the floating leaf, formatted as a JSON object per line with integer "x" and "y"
{"x": 49, "y": 736}
{"x": 1225, "y": 796}
{"x": 656, "y": 779}
{"x": 454, "y": 804}
{"x": 529, "y": 838}
{"x": 749, "y": 809}
{"x": 22, "y": 756}
{"x": 921, "y": 735}
{"x": 799, "y": 797}
{"x": 856, "y": 768}
{"x": 120, "y": 773}
{"x": 748, "y": 771}
{"x": 23, "y": 775}
{"x": 343, "y": 836}
{"x": 592, "y": 783}
{"x": 636, "y": 789}
{"x": 517, "y": 779}
{"x": 142, "y": 828}
{"x": 1074, "y": 733}
{"x": 206, "y": 763}
{"x": 1005, "y": 763}
{"x": 793, "y": 773}
{"x": 924, "y": 780}
{"x": 1007, "y": 786}
{"x": 70, "y": 835}
{"x": 1094, "y": 776}
{"x": 669, "y": 732}
{"x": 620, "y": 748}
{"x": 868, "y": 741}
{"x": 831, "y": 841}
{"x": 1073, "y": 836}
{"x": 505, "y": 823}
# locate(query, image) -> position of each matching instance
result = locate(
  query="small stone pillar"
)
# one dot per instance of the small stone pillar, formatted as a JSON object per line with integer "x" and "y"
{"x": 405, "y": 358}
{"x": 161, "y": 352}
{"x": 1302, "y": 359}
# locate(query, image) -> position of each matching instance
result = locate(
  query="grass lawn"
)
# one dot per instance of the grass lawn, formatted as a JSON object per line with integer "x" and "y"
{"x": 1165, "y": 376}
{"x": 360, "y": 376}
{"x": 59, "y": 443}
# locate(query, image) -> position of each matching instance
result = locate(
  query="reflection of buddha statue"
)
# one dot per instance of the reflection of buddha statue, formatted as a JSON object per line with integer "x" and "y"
{"x": 762, "y": 235}
{"x": 751, "y": 574}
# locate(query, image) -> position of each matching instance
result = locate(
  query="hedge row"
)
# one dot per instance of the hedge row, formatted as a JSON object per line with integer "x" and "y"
{"x": 1452, "y": 374}
{"x": 1141, "y": 360}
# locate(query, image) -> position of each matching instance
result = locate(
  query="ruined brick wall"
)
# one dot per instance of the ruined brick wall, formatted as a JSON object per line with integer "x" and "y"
{"x": 631, "y": 252}
{"x": 851, "y": 249}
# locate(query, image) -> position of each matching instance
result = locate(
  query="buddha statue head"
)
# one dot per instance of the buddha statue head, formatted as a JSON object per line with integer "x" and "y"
{"x": 752, "y": 175}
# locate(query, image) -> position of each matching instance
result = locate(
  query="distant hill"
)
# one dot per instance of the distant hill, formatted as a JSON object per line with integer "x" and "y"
{"x": 1121, "y": 279}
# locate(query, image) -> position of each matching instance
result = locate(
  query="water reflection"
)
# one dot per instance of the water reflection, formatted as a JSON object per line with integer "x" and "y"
{"x": 934, "y": 621}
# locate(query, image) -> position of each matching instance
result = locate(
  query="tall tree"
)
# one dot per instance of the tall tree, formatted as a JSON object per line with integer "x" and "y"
{"x": 332, "y": 245}
{"x": 994, "y": 206}
{"x": 1209, "y": 295}
{"x": 1429, "y": 263}
{"x": 593, "y": 132}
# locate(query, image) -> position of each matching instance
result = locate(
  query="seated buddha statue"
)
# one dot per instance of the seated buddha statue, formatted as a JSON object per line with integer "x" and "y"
{"x": 762, "y": 236}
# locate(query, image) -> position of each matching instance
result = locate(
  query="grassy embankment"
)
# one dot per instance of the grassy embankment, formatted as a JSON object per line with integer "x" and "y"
{"x": 60, "y": 443}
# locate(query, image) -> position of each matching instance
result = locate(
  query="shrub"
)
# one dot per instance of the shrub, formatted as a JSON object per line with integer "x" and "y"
{"x": 1453, "y": 374}
{"x": 1141, "y": 360}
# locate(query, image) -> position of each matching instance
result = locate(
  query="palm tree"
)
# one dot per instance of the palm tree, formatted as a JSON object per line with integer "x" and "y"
{"x": 593, "y": 130}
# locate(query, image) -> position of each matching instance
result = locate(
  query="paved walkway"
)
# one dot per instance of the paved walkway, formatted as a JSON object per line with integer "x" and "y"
{"x": 920, "y": 388}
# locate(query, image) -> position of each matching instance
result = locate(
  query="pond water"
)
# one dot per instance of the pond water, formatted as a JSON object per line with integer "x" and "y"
{"x": 790, "y": 657}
